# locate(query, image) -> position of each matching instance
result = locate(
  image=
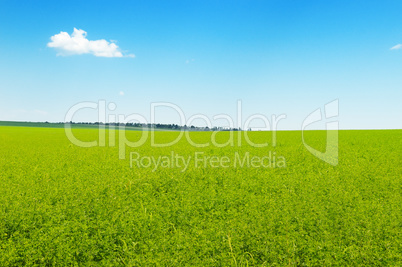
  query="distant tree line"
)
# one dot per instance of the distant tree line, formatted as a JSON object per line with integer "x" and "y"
{"x": 158, "y": 126}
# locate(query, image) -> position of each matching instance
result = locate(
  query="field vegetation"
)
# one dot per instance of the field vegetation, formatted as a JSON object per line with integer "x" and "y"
{"x": 67, "y": 205}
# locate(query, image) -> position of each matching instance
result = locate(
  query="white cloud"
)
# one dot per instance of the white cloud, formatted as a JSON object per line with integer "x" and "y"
{"x": 121, "y": 93}
{"x": 78, "y": 44}
{"x": 398, "y": 46}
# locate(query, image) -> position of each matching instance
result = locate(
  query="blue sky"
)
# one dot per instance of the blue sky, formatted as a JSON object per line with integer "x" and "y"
{"x": 277, "y": 57}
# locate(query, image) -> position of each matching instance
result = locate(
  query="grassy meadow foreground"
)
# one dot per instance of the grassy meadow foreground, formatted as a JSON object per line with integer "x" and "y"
{"x": 67, "y": 205}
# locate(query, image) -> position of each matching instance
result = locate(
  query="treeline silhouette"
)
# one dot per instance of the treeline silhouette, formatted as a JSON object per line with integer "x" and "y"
{"x": 158, "y": 126}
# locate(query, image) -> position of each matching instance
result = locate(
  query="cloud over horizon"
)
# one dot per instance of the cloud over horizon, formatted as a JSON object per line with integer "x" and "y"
{"x": 78, "y": 44}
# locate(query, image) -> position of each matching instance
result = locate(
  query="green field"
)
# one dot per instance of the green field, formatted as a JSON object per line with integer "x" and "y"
{"x": 66, "y": 205}
{"x": 43, "y": 124}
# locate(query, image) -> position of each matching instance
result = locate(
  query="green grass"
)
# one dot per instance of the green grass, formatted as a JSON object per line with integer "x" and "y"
{"x": 43, "y": 124}
{"x": 66, "y": 205}
{"x": 60, "y": 125}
